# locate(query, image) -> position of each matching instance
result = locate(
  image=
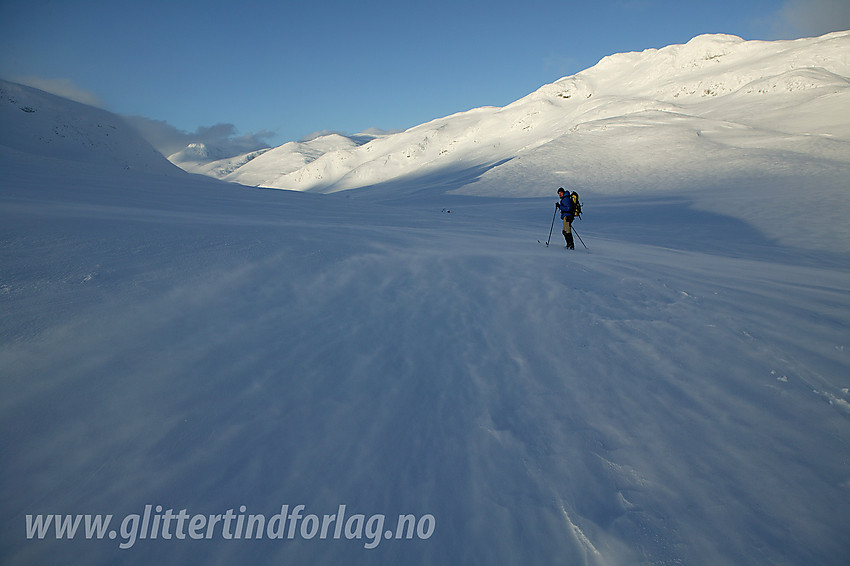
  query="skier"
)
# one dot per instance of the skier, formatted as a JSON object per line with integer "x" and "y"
{"x": 568, "y": 213}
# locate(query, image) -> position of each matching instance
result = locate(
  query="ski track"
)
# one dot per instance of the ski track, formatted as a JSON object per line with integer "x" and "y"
{"x": 633, "y": 404}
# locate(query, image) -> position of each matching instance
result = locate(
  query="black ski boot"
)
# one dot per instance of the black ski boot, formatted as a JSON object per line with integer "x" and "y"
{"x": 568, "y": 236}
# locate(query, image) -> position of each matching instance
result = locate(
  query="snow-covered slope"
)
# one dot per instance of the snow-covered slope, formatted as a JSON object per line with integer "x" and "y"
{"x": 716, "y": 94}
{"x": 39, "y": 124}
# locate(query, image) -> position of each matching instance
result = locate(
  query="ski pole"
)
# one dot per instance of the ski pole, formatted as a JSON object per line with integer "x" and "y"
{"x": 551, "y": 227}
{"x": 579, "y": 238}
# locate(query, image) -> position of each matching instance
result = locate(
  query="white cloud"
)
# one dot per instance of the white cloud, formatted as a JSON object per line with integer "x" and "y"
{"x": 167, "y": 139}
{"x": 61, "y": 87}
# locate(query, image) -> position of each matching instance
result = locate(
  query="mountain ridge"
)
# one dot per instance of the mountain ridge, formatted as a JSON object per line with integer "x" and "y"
{"x": 687, "y": 79}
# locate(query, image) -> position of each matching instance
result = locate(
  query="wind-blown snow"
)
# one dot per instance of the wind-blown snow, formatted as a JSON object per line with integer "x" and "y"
{"x": 678, "y": 394}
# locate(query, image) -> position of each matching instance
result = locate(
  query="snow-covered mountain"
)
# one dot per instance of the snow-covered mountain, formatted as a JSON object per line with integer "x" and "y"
{"x": 289, "y": 157}
{"x": 40, "y": 124}
{"x": 702, "y": 101}
{"x": 213, "y": 162}
{"x": 196, "y": 154}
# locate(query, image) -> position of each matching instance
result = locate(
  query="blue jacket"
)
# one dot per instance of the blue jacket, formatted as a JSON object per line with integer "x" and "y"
{"x": 567, "y": 207}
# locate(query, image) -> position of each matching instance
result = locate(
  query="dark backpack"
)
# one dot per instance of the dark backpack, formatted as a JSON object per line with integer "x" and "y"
{"x": 576, "y": 203}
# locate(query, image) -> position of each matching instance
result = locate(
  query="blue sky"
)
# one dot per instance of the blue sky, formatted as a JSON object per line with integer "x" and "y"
{"x": 275, "y": 71}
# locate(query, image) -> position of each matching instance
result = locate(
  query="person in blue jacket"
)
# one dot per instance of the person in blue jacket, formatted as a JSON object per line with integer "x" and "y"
{"x": 568, "y": 214}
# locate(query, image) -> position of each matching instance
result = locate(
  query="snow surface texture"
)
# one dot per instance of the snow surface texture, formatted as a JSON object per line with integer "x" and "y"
{"x": 760, "y": 124}
{"x": 676, "y": 395}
